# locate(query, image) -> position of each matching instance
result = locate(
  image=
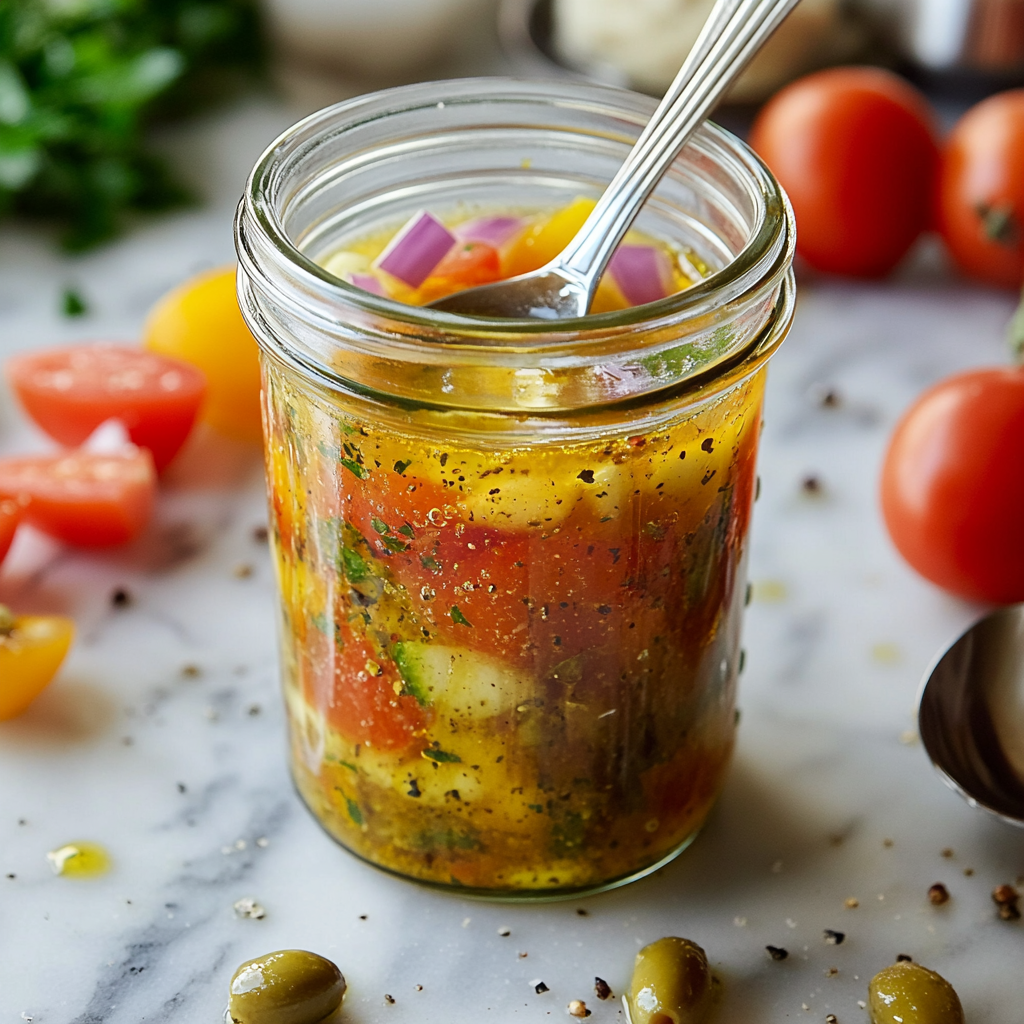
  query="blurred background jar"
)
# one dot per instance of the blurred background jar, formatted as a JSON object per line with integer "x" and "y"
{"x": 326, "y": 50}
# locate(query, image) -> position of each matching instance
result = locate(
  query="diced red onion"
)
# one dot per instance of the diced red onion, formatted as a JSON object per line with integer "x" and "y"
{"x": 414, "y": 252}
{"x": 642, "y": 273}
{"x": 367, "y": 282}
{"x": 494, "y": 231}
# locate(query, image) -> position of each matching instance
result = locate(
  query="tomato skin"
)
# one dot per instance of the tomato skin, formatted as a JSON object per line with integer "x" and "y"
{"x": 82, "y": 498}
{"x": 855, "y": 148}
{"x": 200, "y": 323}
{"x": 953, "y": 485}
{"x": 983, "y": 169}
{"x": 69, "y": 392}
{"x": 11, "y": 512}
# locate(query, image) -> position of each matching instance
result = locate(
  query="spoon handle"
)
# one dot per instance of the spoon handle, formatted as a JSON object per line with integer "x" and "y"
{"x": 734, "y": 32}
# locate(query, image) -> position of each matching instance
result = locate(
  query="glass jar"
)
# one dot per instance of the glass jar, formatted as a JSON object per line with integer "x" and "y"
{"x": 511, "y": 554}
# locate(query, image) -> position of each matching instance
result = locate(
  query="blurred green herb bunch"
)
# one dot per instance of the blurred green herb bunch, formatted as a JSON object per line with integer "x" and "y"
{"x": 80, "y": 83}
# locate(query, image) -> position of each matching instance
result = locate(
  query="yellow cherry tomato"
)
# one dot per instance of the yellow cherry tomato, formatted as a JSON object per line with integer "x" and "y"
{"x": 200, "y": 323}
{"x": 543, "y": 241}
{"x": 32, "y": 649}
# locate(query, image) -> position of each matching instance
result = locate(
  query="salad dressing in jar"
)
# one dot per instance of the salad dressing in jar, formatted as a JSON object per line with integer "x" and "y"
{"x": 510, "y": 554}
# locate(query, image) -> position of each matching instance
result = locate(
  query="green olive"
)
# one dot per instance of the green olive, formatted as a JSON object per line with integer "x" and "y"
{"x": 287, "y": 987}
{"x": 908, "y": 993}
{"x": 671, "y": 983}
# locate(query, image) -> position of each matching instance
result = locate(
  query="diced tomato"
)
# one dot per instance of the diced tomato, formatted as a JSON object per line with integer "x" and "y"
{"x": 467, "y": 265}
{"x": 83, "y": 498}
{"x": 69, "y": 392}
{"x": 11, "y": 512}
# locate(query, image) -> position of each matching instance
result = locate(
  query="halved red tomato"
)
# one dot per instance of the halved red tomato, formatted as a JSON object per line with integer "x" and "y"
{"x": 83, "y": 498}
{"x": 69, "y": 392}
{"x": 359, "y": 690}
{"x": 11, "y": 512}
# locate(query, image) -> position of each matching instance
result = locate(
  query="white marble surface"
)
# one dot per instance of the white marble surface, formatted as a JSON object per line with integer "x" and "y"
{"x": 180, "y": 776}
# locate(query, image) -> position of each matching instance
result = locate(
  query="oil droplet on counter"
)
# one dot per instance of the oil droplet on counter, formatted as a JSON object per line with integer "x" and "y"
{"x": 79, "y": 860}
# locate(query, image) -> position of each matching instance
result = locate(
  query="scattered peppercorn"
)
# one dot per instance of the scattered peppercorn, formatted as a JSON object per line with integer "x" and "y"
{"x": 504, "y": 932}
{"x": 582, "y": 912}
{"x": 540, "y": 988}
{"x": 831, "y": 1019}
{"x": 390, "y": 1000}
{"x": 947, "y": 853}
{"x": 811, "y": 485}
{"x": 830, "y": 398}
{"x": 777, "y": 953}
{"x": 260, "y": 534}
{"x": 904, "y": 958}
{"x": 602, "y": 988}
{"x": 938, "y": 894}
{"x": 578, "y": 1008}
{"x": 833, "y": 938}
{"x": 120, "y": 598}
{"x": 1007, "y": 899}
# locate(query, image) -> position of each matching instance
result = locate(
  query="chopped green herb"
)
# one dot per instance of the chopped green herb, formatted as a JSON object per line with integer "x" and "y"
{"x": 539, "y": 808}
{"x": 351, "y": 767}
{"x": 441, "y": 756}
{"x": 458, "y": 618}
{"x": 355, "y": 566}
{"x": 394, "y": 545}
{"x": 72, "y": 303}
{"x": 407, "y": 531}
{"x": 430, "y": 563}
{"x": 401, "y": 467}
{"x": 353, "y": 810}
{"x": 359, "y": 472}
{"x": 380, "y": 526}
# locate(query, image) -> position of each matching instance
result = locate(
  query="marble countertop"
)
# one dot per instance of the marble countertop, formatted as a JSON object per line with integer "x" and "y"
{"x": 163, "y": 738}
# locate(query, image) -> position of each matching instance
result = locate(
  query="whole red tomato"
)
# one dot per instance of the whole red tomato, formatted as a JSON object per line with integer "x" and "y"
{"x": 953, "y": 485}
{"x": 981, "y": 190}
{"x": 855, "y": 149}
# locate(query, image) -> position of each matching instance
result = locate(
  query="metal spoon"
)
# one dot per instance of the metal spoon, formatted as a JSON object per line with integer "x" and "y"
{"x": 971, "y": 716}
{"x": 734, "y": 32}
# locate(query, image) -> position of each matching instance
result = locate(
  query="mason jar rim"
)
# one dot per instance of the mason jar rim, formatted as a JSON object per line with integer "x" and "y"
{"x": 765, "y": 258}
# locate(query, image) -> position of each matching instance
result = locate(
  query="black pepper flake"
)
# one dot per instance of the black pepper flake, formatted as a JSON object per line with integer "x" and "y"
{"x": 390, "y": 1000}
{"x": 777, "y": 952}
{"x": 586, "y": 475}
{"x": 540, "y": 988}
{"x": 604, "y": 609}
{"x": 708, "y": 476}
{"x": 582, "y": 912}
{"x": 708, "y": 445}
{"x": 1007, "y": 899}
{"x": 602, "y": 988}
{"x": 120, "y": 598}
{"x": 363, "y": 917}
{"x": 830, "y": 398}
{"x": 834, "y": 938}
{"x": 260, "y": 534}
{"x": 904, "y": 958}
{"x": 938, "y": 894}
{"x": 12, "y": 877}
{"x": 831, "y": 1019}
{"x": 811, "y": 485}
{"x": 414, "y": 790}
{"x": 182, "y": 788}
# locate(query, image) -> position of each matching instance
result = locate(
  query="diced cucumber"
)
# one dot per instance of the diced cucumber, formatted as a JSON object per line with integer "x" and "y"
{"x": 459, "y": 681}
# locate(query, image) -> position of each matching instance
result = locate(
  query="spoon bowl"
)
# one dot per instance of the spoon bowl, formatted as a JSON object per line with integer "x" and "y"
{"x": 971, "y": 715}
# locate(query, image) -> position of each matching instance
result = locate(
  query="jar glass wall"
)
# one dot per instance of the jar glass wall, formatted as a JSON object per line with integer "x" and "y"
{"x": 511, "y": 555}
